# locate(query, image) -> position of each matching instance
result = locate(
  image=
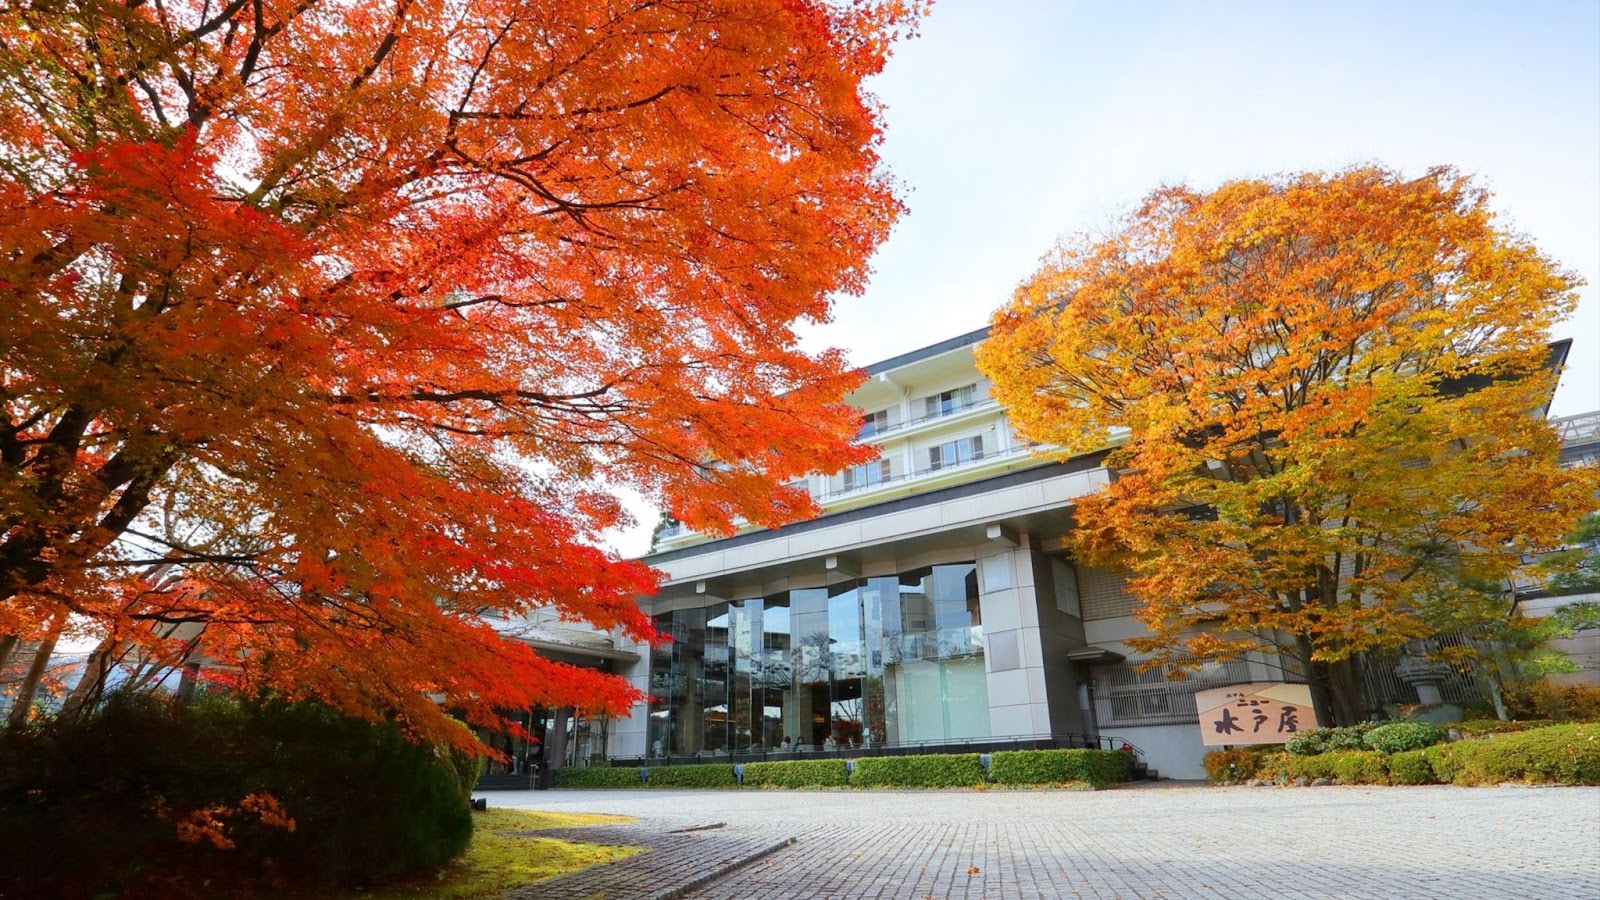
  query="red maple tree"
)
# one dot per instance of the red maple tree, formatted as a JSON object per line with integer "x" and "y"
{"x": 348, "y": 313}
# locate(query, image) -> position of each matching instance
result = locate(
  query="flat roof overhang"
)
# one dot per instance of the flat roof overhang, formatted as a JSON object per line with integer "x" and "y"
{"x": 851, "y": 543}
{"x": 1093, "y": 655}
{"x": 587, "y": 652}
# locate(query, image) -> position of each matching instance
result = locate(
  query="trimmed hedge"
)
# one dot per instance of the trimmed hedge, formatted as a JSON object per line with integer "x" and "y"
{"x": 941, "y": 770}
{"x": 1095, "y": 767}
{"x": 1411, "y": 767}
{"x": 1349, "y": 766}
{"x": 1486, "y": 727}
{"x": 710, "y": 775}
{"x": 1397, "y": 737}
{"x": 1312, "y": 741}
{"x": 1561, "y": 754}
{"x": 797, "y": 773}
{"x": 598, "y": 777}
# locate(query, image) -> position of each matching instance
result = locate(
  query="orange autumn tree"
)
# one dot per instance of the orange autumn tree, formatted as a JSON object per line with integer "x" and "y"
{"x": 1325, "y": 393}
{"x": 346, "y": 314}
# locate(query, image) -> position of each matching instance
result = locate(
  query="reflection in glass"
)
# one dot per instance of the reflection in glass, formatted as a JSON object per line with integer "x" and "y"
{"x": 894, "y": 660}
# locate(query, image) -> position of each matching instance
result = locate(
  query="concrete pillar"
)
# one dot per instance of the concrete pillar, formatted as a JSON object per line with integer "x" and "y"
{"x": 1018, "y": 699}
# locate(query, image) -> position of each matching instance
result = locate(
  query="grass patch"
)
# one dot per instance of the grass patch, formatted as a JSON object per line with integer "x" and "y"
{"x": 497, "y": 860}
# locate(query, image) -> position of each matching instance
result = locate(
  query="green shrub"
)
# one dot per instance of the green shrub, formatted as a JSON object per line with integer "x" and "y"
{"x": 1359, "y": 766}
{"x": 797, "y": 773}
{"x": 1443, "y": 762}
{"x": 1560, "y": 754}
{"x": 1275, "y": 766}
{"x": 1411, "y": 767}
{"x": 469, "y": 766}
{"x": 598, "y": 777}
{"x": 1396, "y": 737}
{"x": 1349, "y": 766}
{"x": 941, "y": 770}
{"x": 1307, "y": 742}
{"x": 715, "y": 775}
{"x": 367, "y": 802}
{"x": 144, "y": 774}
{"x": 1312, "y": 741}
{"x": 1241, "y": 764}
{"x": 1095, "y": 767}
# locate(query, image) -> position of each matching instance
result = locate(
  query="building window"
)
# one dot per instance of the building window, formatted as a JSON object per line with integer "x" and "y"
{"x": 955, "y": 453}
{"x": 867, "y": 475}
{"x": 1126, "y": 694}
{"x": 950, "y": 402}
{"x": 804, "y": 484}
{"x": 874, "y": 423}
{"x": 890, "y": 660}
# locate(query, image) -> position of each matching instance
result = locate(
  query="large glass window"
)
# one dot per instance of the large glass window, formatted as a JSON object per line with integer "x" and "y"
{"x": 951, "y": 401}
{"x": 866, "y": 475}
{"x": 955, "y": 453}
{"x": 874, "y": 423}
{"x": 881, "y": 660}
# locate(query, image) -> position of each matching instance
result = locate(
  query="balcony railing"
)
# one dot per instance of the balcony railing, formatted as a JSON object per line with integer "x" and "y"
{"x": 953, "y": 409}
{"x": 830, "y": 492}
{"x": 1580, "y": 429}
{"x": 977, "y": 458}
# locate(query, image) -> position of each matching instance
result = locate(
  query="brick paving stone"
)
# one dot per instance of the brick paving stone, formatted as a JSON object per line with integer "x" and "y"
{"x": 1158, "y": 841}
{"x": 682, "y": 855}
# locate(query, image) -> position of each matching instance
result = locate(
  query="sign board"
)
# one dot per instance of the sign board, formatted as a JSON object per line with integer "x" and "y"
{"x": 1258, "y": 713}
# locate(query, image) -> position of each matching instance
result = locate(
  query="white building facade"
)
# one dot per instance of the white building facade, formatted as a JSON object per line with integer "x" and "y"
{"x": 931, "y": 606}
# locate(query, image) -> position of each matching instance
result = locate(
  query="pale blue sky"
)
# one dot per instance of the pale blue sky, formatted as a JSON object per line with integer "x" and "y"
{"x": 1011, "y": 123}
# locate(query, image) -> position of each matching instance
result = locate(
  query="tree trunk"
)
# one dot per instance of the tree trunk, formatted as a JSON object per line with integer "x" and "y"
{"x": 1349, "y": 697}
{"x": 22, "y": 705}
{"x": 7, "y": 644}
{"x": 92, "y": 684}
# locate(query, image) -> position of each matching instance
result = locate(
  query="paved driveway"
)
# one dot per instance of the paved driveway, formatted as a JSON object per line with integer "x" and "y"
{"x": 1163, "y": 840}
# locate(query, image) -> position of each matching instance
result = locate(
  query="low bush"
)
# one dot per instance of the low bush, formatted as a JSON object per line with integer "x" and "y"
{"x": 932, "y": 771}
{"x": 1349, "y": 766}
{"x": 1095, "y": 767}
{"x": 183, "y": 800}
{"x": 1486, "y": 727}
{"x": 1312, "y": 741}
{"x": 1240, "y": 764}
{"x": 1560, "y": 754}
{"x": 598, "y": 777}
{"x": 1563, "y": 702}
{"x": 797, "y": 773}
{"x": 711, "y": 775}
{"x": 1359, "y": 766}
{"x": 1396, "y": 737}
{"x": 1411, "y": 767}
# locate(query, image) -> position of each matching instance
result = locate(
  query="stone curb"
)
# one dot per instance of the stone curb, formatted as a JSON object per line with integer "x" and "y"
{"x": 722, "y": 870}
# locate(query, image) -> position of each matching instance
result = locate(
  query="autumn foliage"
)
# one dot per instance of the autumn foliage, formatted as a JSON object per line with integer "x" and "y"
{"x": 344, "y": 315}
{"x": 1325, "y": 396}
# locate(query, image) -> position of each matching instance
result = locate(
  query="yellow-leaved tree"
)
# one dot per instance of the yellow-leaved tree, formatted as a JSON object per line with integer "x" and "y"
{"x": 1326, "y": 392}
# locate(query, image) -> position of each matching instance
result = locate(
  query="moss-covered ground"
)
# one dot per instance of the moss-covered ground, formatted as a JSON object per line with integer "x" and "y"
{"x": 500, "y": 857}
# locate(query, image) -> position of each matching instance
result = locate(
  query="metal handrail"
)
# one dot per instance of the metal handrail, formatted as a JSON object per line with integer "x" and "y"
{"x": 1578, "y": 429}
{"x": 985, "y": 456}
{"x": 955, "y": 410}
